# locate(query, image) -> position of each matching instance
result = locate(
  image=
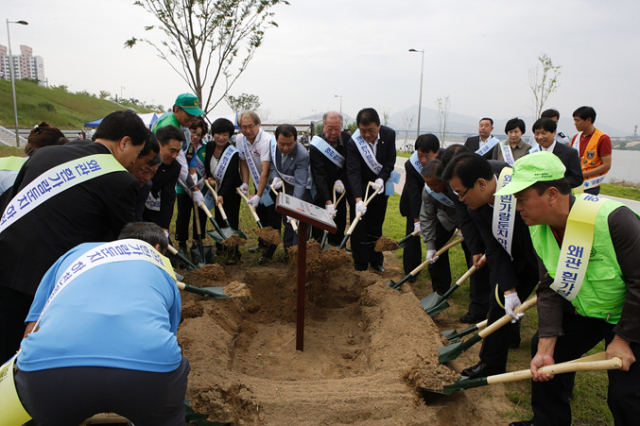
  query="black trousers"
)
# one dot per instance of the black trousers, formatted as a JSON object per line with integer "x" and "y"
{"x": 479, "y": 286}
{"x": 68, "y": 396}
{"x": 495, "y": 347}
{"x": 185, "y": 206}
{"x": 14, "y": 307}
{"x": 412, "y": 253}
{"x": 550, "y": 400}
{"x": 340, "y": 220}
{"x": 367, "y": 232}
{"x": 440, "y": 271}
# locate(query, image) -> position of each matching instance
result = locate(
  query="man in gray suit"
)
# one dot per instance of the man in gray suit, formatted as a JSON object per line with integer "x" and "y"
{"x": 289, "y": 170}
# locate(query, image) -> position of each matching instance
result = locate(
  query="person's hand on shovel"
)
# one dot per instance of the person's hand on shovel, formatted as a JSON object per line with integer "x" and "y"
{"x": 254, "y": 201}
{"x": 619, "y": 347}
{"x": 416, "y": 226}
{"x": 277, "y": 183}
{"x": 244, "y": 188}
{"x": 360, "y": 208}
{"x": 378, "y": 185}
{"x": 196, "y": 194}
{"x": 339, "y": 186}
{"x": 512, "y": 301}
{"x": 331, "y": 209}
{"x": 431, "y": 257}
{"x": 478, "y": 261}
{"x": 543, "y": 357}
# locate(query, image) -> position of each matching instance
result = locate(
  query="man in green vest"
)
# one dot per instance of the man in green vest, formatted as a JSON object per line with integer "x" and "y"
{"x": 589, "y": 290}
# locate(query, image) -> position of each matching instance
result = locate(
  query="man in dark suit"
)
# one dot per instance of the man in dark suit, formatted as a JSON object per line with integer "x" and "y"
{"x": 545, "y": 134}
{"x": 427, "y": 148}
{"x": 485, "y": 142}
{"x": 62, "y": 197}
{"x": 371, "y": 157}
{"x": 327, "y": 153}
{"x": 511, "y": 258}
{"x": 289, "y": 169}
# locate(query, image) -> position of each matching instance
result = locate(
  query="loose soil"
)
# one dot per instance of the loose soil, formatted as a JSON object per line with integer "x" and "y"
{"x": 386, "y": 244}
{"x": 268, "y": 234}
{"x": 234, "y": 241}
{"x": 366, "y": 349}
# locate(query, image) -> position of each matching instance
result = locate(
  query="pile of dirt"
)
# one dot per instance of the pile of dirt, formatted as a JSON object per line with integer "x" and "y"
{"x": 212, "y": 272}
{"x": 234, "y": 241}
{"x": 319, "y": 260}
{"x": 237, "y": 289}
{"x": 366, "y": 349}
{"x": 269, "y": 234}
{"x": 386, "y": 244}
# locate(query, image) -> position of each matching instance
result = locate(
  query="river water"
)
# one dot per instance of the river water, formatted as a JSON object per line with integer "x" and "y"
{"x": 625, "y": 165}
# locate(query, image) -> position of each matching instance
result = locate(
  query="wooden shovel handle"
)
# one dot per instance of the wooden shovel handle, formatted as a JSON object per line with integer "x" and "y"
{"x": 614, "y": 363}
{"x": 507, "y": 318}
{"x": 467, "y": 274}
{"x": 181, "y": 285}
{"x": 335, "y": 203}
{"x": 438, "y": 253}
{"x": 275, "y": 191}
{"x": 253, "y": 211}
{"x": 195, "y": 212}
{"x": 215, "y": 194}
{"x": 203, "y": 206}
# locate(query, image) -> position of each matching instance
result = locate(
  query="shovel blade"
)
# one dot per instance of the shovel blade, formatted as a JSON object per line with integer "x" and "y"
{"x": 431, "y": 301}
{"x": 215, "y": 292}
{"x": 451, "y": 352}
{"x": 438, "y": 308}
{"x": 228, "y": 232}
{"x": 216, "y": 236}
{"x": 449, "y": 334}
{"x": 464, "y": 383}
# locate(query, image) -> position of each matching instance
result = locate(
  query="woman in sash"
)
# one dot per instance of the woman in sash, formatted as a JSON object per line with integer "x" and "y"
{"x": 222, "y": 167}
{"x": 513, "y": 148}
{"x": 195, "y": 155}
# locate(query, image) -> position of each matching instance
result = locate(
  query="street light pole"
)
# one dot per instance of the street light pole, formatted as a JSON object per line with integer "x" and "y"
{"x": 420, "y": 100}
{"x": 13, "y": 82}
{"x": 340, "y": 96}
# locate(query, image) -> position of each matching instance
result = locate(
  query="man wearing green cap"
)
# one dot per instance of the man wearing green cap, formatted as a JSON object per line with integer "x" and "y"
{"x": 513, "y": 267}
{"x": 185, "y": 111}
{"x": 588, "y": 251}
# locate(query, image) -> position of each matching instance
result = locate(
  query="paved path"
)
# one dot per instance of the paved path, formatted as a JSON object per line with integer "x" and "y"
{"x": 633, "y": 205}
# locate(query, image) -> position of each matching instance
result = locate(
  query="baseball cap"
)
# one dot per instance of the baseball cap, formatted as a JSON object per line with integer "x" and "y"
{"x": 537, "y": 167}
{"x": 189, "y": 103}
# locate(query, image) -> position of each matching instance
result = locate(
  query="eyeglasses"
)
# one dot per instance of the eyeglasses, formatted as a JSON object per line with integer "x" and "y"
{"x": 464, "y": 193}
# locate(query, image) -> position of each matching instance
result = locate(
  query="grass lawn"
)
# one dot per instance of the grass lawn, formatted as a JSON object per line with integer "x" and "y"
{"x": 620, "y": 190}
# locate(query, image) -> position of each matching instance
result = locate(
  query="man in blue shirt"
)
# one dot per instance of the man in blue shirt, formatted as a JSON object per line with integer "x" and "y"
{"x": 105, "y": 318}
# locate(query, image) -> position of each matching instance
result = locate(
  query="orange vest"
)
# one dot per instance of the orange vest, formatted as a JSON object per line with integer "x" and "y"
{"x": 590, "y": 158}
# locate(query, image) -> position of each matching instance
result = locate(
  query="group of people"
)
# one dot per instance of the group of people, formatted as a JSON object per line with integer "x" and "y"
{"x": 96, "y": 204}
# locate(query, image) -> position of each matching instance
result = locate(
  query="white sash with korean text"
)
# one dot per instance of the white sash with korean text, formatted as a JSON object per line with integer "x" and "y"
{"x": 593, "y": 182}
{"x": 504, "y": 213}
{"x": 507, "y": 154}
{"x": 576, "y": 246}
{"x": 415, "y": 161}
{"x": 328, "y": 151}
{"x": 488, "y": 146}
{"x": 223, "y": 164}
{"x": 367, "y": 155}
{"x": 439, "y": 196}
{"x": 534, "y": 148}
{"x": 266, "y": 198}
{"x": 291, "y": 180}
{"x": 55, "y": 181}
{"x": 116, "y": 251}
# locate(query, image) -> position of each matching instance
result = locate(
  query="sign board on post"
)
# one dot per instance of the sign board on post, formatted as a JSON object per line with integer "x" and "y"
{"x": 306, "y": 213}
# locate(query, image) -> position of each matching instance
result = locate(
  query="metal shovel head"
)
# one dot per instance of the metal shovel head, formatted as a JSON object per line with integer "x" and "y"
{"x": 438, "y": 308}
{"x": 229, "y": 231}
{"x": 451, "y": 352}
{"x": 449, "y": 334}
{"x": 431, "y": 301}
{"x": 215, "y": 292}
{"x": 216, "y": 236}
{"x": 196, "y": 255}
{"x": 430, "y": 395}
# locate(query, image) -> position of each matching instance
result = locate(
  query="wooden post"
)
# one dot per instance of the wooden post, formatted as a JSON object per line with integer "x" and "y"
{"x": 302, "y": 278}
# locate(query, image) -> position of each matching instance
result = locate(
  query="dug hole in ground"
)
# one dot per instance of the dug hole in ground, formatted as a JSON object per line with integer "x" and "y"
{"x": 366, "y": 348}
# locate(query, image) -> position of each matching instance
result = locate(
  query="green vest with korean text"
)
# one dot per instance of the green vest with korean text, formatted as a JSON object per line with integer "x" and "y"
{"x": 603, "y": 290}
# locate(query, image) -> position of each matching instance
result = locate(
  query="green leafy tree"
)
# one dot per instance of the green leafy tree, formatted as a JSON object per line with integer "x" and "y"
{"x": 208, "y": 42}
{"x": 543, "y": 81}
{"x": 244, "y": 102}
{"x": 104, "y": 95}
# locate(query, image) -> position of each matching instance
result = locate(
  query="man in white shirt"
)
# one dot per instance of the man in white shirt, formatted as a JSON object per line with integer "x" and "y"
{"x": 255, "y": 157}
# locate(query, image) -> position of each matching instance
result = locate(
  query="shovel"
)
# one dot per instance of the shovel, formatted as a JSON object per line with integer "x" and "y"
{"x": 292, "y": 222}
{"x": 182, "y": 257}
{"x": 591, "y": 363}
{"x": 227, "y": 231}
{"x": 358, "y": 216}
{"x": 202, "y": 255}
{"x": 451, "y": 352}
{"x": 454, "y": 335}
{"x": 217, "y": 235}
{"x": 215, "y": 292}
{"x": 323, "y": 242}
{"x": 436, "y": 303}
{"x": 253, "y": 211}
{"x": 420, "y": 267}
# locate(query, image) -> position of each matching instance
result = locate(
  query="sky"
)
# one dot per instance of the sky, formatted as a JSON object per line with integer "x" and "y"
{"x": 477, "y": 53}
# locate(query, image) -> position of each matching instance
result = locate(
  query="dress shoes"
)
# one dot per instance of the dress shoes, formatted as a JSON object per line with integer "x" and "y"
{"x": 524, "y": 423}
{"x": 264, "y": 259}
{"x": 482, "y": 370}
{"x": 255, "y": 249}
{"x": 469, "y": 318}
{"x": 379, "y": 268}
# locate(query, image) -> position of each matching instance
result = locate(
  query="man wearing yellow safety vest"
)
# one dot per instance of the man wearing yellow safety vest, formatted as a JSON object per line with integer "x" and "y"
{"x": 594, "y": 149}
{"x": 589, "y": 290}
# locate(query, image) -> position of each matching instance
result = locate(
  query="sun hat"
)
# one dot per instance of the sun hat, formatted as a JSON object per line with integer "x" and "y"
{"x": 537, "y": 167}
{"x": 189, "y": 103}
